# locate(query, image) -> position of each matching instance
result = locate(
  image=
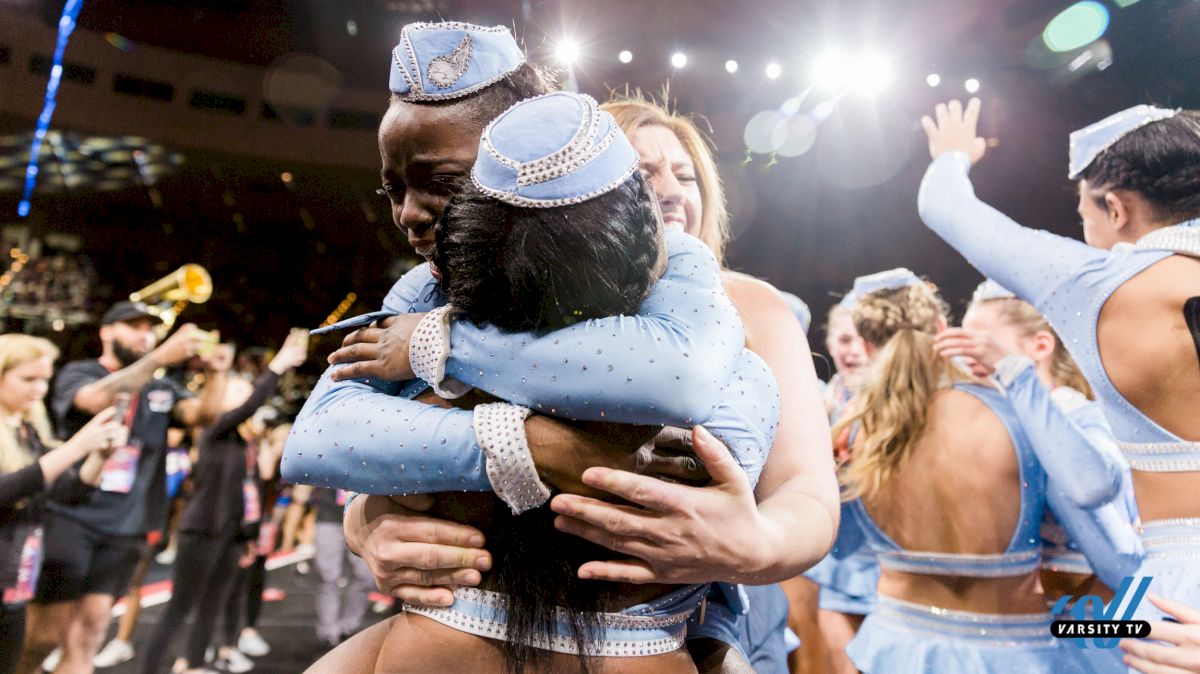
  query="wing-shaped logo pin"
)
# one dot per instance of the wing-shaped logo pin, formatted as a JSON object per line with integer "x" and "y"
{"x": 445, "y": 70}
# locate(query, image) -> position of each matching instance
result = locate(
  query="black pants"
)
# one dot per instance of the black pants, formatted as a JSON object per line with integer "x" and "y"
{"x": 247, "y": 591}
{"x": 205, "y": 567}
{"x": 12, "y": 633}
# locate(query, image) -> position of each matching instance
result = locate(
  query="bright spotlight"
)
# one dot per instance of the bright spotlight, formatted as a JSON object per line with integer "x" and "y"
{"x": 872, "y": 73}
{"x": 625, "y": 56}
{"x": 933, "y": 79}
{"x": 567, "y": 51}
{"x": 829, "y": 70}
{"x": 678, "y": 59}
{"x": 972, "y": 85}
{"x": 774, "y": 70}
{"x": 731, "y": 66}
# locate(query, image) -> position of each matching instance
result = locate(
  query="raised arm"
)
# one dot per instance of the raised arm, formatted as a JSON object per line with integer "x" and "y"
{"x": 1078, "y": 452}
{"x": 666, "y": 365}
{"x": 1031, "y": 263}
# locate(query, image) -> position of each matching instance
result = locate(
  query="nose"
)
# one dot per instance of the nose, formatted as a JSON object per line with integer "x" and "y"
{"x": 415, "y": 218}
{"x": 669, "y": 190}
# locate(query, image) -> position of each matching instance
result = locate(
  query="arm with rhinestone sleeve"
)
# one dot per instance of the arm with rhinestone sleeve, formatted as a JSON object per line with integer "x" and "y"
{"x": 368, "y": 436}
{"x": 1031, "y": 263}
{"x": 667, "y": 365}
{"x": 1090, "y": 488}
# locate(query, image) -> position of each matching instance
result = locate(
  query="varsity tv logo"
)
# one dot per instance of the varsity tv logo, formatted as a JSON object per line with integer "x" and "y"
{"x": 1092, "y": 620}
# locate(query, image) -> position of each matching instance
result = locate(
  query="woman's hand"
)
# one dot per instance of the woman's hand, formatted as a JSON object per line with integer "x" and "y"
{"x": 292, "y": 354}
{"x": 378, "y": 352}
{"x": 954, "y": 130}
{"x": 680, "y": 534}
{"x": 1181, "y": 656}
{"x": 101, "y": 434}
{"x": 412, "y": 556}
{"x": 981, "y": 352}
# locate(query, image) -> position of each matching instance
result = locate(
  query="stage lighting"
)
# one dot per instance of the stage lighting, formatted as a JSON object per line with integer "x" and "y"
{"x": 829, "y": 70}
{"x": 972, "y": 85}
{"x": 1076, "y": 26}
{"x": 625, "y": 56}
{"x": 869, "y": 73}
{"x": 933, "y": 79}
{"x": 873, "y": 73}
{"x": 567, "y": 51}
{"x": 774, "y": 70}
{"x": 731, "y": 66}
{"x": 678, "y": 59}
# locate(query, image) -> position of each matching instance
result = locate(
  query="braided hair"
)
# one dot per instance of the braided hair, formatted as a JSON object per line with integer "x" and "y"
{"x": 892, "y": 406}
{"x": 1160, "y": 162}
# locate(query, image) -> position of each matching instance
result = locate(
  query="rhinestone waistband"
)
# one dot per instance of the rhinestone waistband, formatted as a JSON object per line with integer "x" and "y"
{"x": 649, "y": 629}
{"x": 1162, "y": 457}
{"x": 961, "y": 564}
{"x": 941, "y": 623}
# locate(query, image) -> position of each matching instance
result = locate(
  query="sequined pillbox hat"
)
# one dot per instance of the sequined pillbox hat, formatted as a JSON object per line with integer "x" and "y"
{"x": 891, "y": 279}
{"x": 553, "y": 150}
{"x": 1090, "y": 141}
{"x": 451, "y": 59}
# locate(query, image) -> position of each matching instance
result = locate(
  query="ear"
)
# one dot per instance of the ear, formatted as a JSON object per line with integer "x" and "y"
{"x": 1043, "y": 345}
{"x": 1117, "y": 205}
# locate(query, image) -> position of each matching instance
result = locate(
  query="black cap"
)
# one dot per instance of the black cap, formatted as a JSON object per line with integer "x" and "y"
{"x": 128, "y": 311}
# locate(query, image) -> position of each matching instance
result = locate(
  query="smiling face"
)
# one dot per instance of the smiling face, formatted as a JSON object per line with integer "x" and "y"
{"x": 669, "y": 169}
{"x": 846, "y": 347}
{"x": 427, "y": 151}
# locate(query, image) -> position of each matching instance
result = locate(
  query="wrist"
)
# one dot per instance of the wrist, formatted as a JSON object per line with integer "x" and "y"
{"x": 277, "y": 368}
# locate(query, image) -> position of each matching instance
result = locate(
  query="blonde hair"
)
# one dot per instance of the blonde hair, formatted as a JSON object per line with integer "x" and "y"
{"x": 892, "y": 405}
{"x": 16, "y": 350}
{"x": 635, "y": 110}
{"x": 1022, "y": 314}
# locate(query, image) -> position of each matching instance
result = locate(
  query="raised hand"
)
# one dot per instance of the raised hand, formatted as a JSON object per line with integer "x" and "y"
{"x": 954, "y": 130}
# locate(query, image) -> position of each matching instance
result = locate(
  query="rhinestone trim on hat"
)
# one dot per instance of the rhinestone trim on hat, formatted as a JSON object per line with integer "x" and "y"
{"x": 500, "y": 431}
{"x": 577, "y": 153}
{"x": 416, "y": 88}
{"x": 1148, "y": 114}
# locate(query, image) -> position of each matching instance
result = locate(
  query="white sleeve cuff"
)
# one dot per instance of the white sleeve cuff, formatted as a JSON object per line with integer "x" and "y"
{"x": 1010, "y": 367}
{"x": 500, "y": 431}
{"x": 428, "y": 351}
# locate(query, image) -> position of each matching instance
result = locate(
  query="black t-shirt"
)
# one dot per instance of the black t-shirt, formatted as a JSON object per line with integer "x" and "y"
{"x": 144, "y": 507}
{"x": 225, "y": 464}
{"x": 326, "y": 503}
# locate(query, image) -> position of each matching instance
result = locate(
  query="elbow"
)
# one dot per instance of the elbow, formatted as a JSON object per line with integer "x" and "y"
{"x": 1092, "y": 496}
{"x": 694, "y": 397}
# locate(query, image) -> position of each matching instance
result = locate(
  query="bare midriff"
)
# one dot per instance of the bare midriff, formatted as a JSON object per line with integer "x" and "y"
{"x": 1164, "y": 496}
{"x": 1003, "y": 596}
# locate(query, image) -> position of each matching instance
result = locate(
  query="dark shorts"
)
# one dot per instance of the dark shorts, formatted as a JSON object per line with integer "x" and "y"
{"x": 80, "y": 560}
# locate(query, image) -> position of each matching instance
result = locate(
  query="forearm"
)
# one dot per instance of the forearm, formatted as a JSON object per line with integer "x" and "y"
{"x": 59, "y": 460}
{"x": 210, "y": 400}
{"x": 798, "y": 530}
{"x": 21, "y": 484}
{"x": 1083, "y": 463}
{"x": 96, "y": 396}
{"x": 666, "y": 365}
{"x": 353, "y": 436}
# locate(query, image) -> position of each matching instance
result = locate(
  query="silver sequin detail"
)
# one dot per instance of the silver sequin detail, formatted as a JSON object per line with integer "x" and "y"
{"x": 428, "y": 350}
{"x": 416, "y": 88}
{"x": 1162, "y": 457}
{"x": 500, "y": 431}
{"x": 457, "y": 61}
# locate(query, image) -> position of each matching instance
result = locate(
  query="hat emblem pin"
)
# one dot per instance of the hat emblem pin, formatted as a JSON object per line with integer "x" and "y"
{"x": 445, "y": 70}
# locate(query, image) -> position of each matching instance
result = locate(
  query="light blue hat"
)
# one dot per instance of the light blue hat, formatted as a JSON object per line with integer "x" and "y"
{"x": 800, "y": 308}
{"x": 439, "y": 61}
{"x": 552, "y": 150}
{"x": 1088, "y": 142}
{"x": 990, "y": 290}
{"x": 891, "y": 279}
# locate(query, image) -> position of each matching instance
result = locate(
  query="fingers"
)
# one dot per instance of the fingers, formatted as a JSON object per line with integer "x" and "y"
{"x": 418, "y": 529}
{"x": 1154, "y": 658}
{"x": 971, "y": 116}
{"x": 430, "y": 578}
{"x": 620, "y": 571}
{"x": 360, "y": 370}
{"x": 684, "y": 468}
{"x": 929, "y": 126}
{"x": 362, "y": 335}
{"x": 626, "y": 545}
{"x": 615, "y": 519}
{"x": 105, "y": 415}
{"x": 640, "y": 489}
{"x": 956, "y": 111}
{"x": 421, "y": 596}
{"x": 1183, "y": 613}
{"x": 942, "y": 114}
{"x": 1174, "y": 633}
{"x": 354, "y": 353}
{"x": 716, "y": 458}
{"x": 398, "y": 555}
